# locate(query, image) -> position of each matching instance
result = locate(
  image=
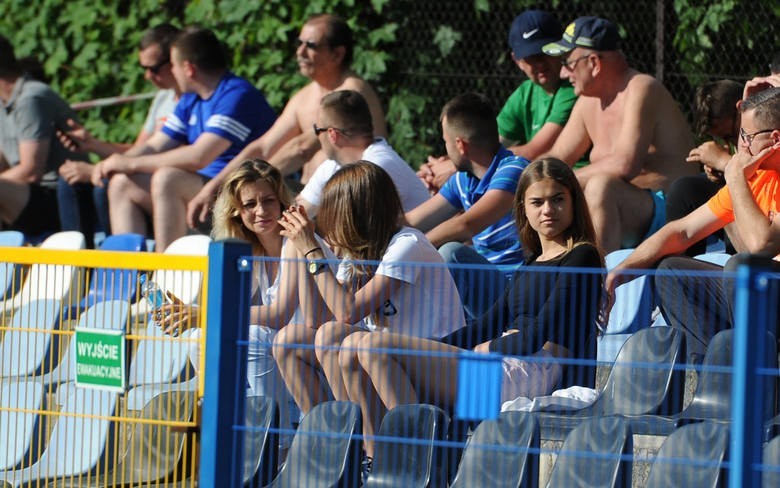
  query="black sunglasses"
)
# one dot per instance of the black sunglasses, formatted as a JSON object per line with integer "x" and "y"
{"x": 157, "y": 67}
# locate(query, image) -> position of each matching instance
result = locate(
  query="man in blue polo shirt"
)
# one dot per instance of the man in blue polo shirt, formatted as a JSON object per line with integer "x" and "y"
{"x": 475, "y": 204}
{"x": 217, "y": 115}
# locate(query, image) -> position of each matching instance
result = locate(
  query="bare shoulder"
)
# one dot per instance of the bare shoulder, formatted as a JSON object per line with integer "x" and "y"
{"x": 354, "y": 82}
{"x": 305, "y": 98}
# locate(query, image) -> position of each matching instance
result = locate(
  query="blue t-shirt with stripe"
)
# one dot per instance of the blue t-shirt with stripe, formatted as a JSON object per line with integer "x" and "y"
{"x": 236, "y": 111}
{"x": 499, "y": 242}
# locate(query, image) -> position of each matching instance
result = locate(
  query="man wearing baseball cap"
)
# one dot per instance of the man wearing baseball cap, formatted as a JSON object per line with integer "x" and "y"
{"x": 637, "y": 135}
{"x": 534, "y": 115}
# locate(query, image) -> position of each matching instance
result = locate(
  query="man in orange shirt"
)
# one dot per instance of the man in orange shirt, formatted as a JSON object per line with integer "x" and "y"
{"x": 750, "y": 199}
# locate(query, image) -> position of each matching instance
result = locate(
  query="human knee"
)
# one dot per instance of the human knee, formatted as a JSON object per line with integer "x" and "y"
{"x": 165, "y": 182}
{"x": 118, "y": 186}
{"x": 601, "y": 188}
{"x": 328, "y": 338}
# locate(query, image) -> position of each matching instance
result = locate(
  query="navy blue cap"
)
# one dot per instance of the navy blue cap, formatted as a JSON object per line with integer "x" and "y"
{"x": 588, "y": 32}
{"x": 531, "y": 30}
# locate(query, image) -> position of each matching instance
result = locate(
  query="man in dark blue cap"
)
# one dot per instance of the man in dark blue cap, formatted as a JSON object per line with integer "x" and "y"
{"x": 534, "y": 115}
{"x": 637, "y": 135}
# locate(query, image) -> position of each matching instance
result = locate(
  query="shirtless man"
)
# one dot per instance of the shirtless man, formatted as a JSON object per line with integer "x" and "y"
{"x": 639, "y": 136}
{"x": 324, "y": 56}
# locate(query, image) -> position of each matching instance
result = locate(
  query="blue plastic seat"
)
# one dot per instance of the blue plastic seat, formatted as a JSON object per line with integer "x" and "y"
{"x": 691, "y": 456}
{"x": 399, "y": 462}
{"x": 324, "y": 451}
{"x": 10, "y": 273}
{"x": 642, "y": 381}
{"x": 497, "y": 454}
{"x": 24, "y": 352}
{"x": 18, "y": 422}
{"x": 593, "y": 455}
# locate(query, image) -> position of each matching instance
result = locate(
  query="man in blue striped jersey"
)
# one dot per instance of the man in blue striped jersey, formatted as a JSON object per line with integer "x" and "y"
{"x": 475, "y": 204}
{"x": 217, "y": 115}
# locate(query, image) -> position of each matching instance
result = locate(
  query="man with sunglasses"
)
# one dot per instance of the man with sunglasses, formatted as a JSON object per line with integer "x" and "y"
{"x": 637, "y": 135}
{"x": 216, "y": 116}
{"x": 75, "y": 176}
{"x": 698, "y": 305}
{"x": 324, "y": 55}
{"x": 346, "y": 134}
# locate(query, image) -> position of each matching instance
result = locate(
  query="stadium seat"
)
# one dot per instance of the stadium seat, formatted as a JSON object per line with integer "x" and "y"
{"x": 23, "y": 352}
{"x": 261, "y": 443}
{"x": 497, "y": 454}
{"x": 324, "y": 451}
{"x": 52, "y": 281}
{"x": 718, "y": 258}
{"x": 10, "y": 273}
{"x": 632, "y": 310}
{"x": 712, "y": 398}
{"x": 77, "y": 442}
{"x": 692, "y": 455}
{"x": 18, "y": 422}
{"x": 114, "y": 283}
{"x": 398, "y": 462}
{"x": 642, "y": 381}
{"x": 770, "y": 478}
{"x": 591, "y": 455}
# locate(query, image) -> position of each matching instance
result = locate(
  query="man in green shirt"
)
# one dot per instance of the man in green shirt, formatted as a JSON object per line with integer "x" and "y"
{"x": 536, "y": 112}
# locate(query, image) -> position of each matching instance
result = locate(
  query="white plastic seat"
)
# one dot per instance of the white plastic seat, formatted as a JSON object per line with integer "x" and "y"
{"x": 22, "y": 351}
{"x": 52, "y": 281}
{"x": 17, "y": 422}
{"x": 77, "y": 441}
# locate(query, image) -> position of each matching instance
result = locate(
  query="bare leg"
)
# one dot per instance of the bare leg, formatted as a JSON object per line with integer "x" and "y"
{"x": 327, "y": 346}
{"x": 15, "y": 196}
{"x": 129, "y": 202}
{"x": 299, "y": 366}
{"x": 621, "y": 212}
{"x": 425, "y": 371}
{"x": 360, "y": 389}
{"x": 171, "y": 189}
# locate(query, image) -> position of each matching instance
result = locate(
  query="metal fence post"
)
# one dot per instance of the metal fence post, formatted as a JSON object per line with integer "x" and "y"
{"x": 747, "y": 394}
{"x": 221, "y": 452}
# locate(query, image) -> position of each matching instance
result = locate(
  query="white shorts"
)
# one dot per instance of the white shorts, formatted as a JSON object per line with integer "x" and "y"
{"x": 530, "y": 379}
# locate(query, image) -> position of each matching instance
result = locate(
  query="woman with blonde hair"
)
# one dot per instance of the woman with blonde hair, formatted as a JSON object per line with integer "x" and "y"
{"x": 390, "y": 279}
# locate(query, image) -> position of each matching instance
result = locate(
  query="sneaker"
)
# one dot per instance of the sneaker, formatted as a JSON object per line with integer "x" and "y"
{"x": 365, "y": 468}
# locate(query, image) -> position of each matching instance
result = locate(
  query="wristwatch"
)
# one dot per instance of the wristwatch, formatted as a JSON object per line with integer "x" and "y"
{"x": 314, "y": 267}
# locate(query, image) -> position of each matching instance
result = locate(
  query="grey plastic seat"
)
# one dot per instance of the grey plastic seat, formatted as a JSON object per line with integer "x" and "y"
{"x": 691, "y": 456}
{"x": 18, "y": 423}
{"x": 591, "y": 455}
{"x": 497, "y": 454}
{"x": 154, "y": 451}
{"x": 261, "y": 442}
{"x": 712, "y": 398}
{"x": 770, "y": 478}
{"x": 324, "y": 451}
{"x": 642, "y": 381}
{"x": 398, "y": 462}
{"x": 77, "y": 442}
{"x": 22, "y": 351}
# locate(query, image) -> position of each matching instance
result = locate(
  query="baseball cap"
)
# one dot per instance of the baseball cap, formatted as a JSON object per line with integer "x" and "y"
{"x": 531, "y": 30}
{"x": 589, "y": 32}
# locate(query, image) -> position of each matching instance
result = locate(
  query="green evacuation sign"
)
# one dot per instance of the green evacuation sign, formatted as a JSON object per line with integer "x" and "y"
{"x": 100, "y": 359}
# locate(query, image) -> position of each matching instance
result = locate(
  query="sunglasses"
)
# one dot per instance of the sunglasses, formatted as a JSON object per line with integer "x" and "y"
{"x": 157, "y": 67}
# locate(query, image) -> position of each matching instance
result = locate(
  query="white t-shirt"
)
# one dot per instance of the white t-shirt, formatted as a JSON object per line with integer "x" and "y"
{"x": 427, "y": 304}
{"x": 162, "y": 105}
{"x": 410, "y": 189}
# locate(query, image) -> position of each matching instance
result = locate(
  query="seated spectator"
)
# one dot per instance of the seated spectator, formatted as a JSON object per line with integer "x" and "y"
{"x": 76, "y": 176}
{"x": 716, "y": 116}
{"x": 537, "y": 110}
{"x": 360, "y": 217}
{"x": 249, "y": 206}
{"x": 475, "y": 204}
{"x": 324, "y": 56}
{"x": 30, "y": 152}
{"x": 751, "y": 199}
{"x": 347, "y": 135}
{"x": 217, "y": 115}
{"x": 637, "y": 135}
{"x": 546, "y": 314}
